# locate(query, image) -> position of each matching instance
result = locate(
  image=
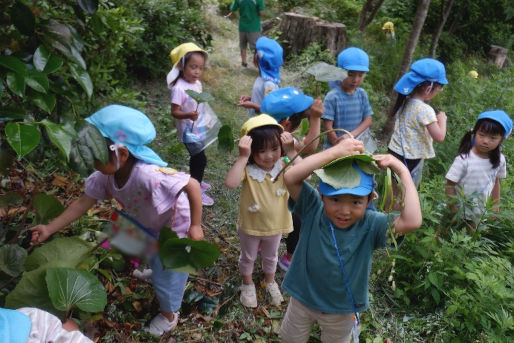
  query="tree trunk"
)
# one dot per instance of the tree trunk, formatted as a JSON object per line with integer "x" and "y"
{"x": 372, "y": 9}
{"x": 498, "y": 55}
{"x": 299, "y": 31}
{"x": 445, "y": 12}
{"x": 410, "y": 47}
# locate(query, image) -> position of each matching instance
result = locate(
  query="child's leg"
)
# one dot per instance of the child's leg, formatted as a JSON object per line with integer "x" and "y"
{"x": 297, "y": 323}
{"x": 335, "y": 327}
{"x": 197, "y": 164}
{"x": 169, "y": 287}
{"x": 249, "y": 247}
{"x": 269, "y": 254}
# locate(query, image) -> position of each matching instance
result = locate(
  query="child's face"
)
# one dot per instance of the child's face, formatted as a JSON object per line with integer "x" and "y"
{"x": 266, "y": 157}
{"x": 344, "y": 210}
{"x": 194, "y": 68}
{"x": 486, "y": 142}
{"x": 353, "y": 80}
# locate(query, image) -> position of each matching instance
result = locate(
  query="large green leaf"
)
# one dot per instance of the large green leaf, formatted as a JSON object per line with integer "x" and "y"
{"x": 69, "y": 250}
{"x": 199, "y": 97}
{"x": 21, "y": 137}
{"x": 60, "y": 136}
{"x": 72, "y": 287}
{"x": 88, "y": 6}
{"x": 23, "y": 18}
{"x": 14, "y": 64}
{"x": 16, "y": 83}
{"x": 325, "y": 72}
{"x": 12, "y": 258}
{"x": 187, "y": 255}
{"x": 37, "y": 80}
{"x": 340, "y": 173}
{"x": 41, "y": 57}
{"x": 60, "y": 37}
{"x": 225, "y": 139}
{"x": 89, "y": 146}
{"x": 83, "y": 78}
{"x": 54, "y": 63}
{"x": 46, "y": 102}
{"x": 47, "y": 207}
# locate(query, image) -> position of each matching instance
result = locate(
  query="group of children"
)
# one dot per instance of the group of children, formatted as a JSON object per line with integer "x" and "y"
{"x": 332, "y": 229}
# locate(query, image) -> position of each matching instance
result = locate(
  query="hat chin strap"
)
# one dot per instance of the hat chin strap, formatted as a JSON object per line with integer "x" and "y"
{"x": 114, "y": 147}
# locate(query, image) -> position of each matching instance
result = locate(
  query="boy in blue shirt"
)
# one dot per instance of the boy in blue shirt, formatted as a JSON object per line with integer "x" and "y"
{"x": 328, "y": 277}
{"x": 347, "y": 105}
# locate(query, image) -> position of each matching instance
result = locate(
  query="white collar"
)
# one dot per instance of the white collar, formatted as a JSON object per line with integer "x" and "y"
{"x": 259, "y": 174}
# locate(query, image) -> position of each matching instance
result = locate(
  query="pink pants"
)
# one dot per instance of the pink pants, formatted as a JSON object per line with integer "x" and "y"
{"x": 250, "y": 247}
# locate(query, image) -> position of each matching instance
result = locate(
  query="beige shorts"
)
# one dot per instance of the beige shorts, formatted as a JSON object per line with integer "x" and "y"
{"x": 246, "y": 38}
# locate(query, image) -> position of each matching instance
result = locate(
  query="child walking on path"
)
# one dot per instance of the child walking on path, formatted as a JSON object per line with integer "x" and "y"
{"x": 263, "y": 214}
{"x": 268, "y": 59}
{"x": 479, "y": 166}
{"x": 135, "y": 176}
{"x": 347, "y": 105}
{"x": 416, "y": 124}
{"x": 289, "y": 106}
{"x": 328, "y": 279}
{"x": 188, "y": 64}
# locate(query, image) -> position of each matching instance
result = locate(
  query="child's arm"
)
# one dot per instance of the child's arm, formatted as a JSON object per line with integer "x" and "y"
{"x": 410, "y": 218}
{"x": 194, "y": 194}
{"x": 366, "y": 123}
{"x": 299, "y": 172}
{"x": 41, "y": 232}
{"x": 495, "y": 194}
{"x": 451, "y": 193}
{"x": 438, "y": 129}
{"x": 317, "y": 110}
{"x": 233, "y": 178}
{"x": 248, "y": 104}
{"x": 331, "y": 136}
{"x": 176, "y": 112}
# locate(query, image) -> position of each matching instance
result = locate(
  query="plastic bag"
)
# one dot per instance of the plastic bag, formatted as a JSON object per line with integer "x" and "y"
{"x": 201, "y": 133}
{"x": 369, "y": 143}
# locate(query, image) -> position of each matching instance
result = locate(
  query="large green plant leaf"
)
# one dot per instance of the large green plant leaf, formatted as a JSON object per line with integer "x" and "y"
{"x": 12, "y": 258}
{"x": 37, "y": 80}
{"x": 16, "y": 83}
{"x": 71, "y": 287}
{"x": 46, "y": 102}
{"x": 70, "y": 250}
{"x": 89, "y": 146}
{"x": 83, "y": 78}
{"x": 41, "y": 57}
{"x": 340, "y": 173}
{"x": 225, "y": 139}
{"x": 60, "y": 37}
{"x": 47, "y": 207}
{"x": 23, "y": 18}
{"x": 325, "y": 72}
{"x": 54, "y": 63}
{"x": 88, "y": 6}
{"x": 60, "y": 136}
{"x": 14, "y": 64}
{"x": 199, "y": 97}
{"x": 187, "y": 255}
{"x": 21, "y": 137}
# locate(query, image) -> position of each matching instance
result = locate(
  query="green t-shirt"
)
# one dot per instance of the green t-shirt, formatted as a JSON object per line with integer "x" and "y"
{"x": 314, "y": 277}
{"x": 249, "y": 17}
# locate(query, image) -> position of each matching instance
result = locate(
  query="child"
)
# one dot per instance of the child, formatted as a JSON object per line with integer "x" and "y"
{"x": 263, "y": 214}
{"x": 188, "y": 64}
{"x": 32, "y": 325}
{"x": 151, "y": 194}
{"x": 347, "y": 106}
{"x": 480, "y": 164}
{"x": 289, "y": 106}
{"x": 328, "y": 278}
{"x": 416, "y": 124}
{"x": 268, "y": 59}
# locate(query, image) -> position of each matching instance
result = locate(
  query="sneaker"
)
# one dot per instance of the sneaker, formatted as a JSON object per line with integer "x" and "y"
{"x": 207, "y": 200}
{"x": 284, "y": 262}
{"x": 205, "y": 186}
{"x": 248, "y": 295}
{"x": 145, "y": 274}
{"x": 274, "y": 292}
{"x": 161, "y": 324}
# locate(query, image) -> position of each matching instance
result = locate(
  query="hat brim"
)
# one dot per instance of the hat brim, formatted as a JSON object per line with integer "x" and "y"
{"x": 144, "y": 153}
{"x": 408, "y": 82}
{"x": 172, "y": 75}
{"x": 355, "y": 67}
{"x": 301, "y": 105}
{"x": 327, "y": 190}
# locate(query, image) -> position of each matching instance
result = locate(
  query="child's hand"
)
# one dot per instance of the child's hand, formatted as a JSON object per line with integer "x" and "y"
{"x": 195, "y": 232}
{"x": 193, "y": 115}
{"x": 40, "y": 233}
{"x": 349, "y": 146}
{"x": 441, "y": 116}
{"x": 287, "y": 142}
{"x": 317, "y": 108}
{"x": 244, "y": 98}
{"x": 388, "y": 160}
{"x": 228, "y": 14}
{"x": 245, "y": 146}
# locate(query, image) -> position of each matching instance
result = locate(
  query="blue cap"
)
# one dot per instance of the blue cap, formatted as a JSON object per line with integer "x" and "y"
{"x": 284, "y": 102}
{"x": 353, "y": 59}
{"x": 425, "y": 69}
{"x": 130, "y": 127}
{"x": 365, "y": 187}
{"x": 14, "y": 326}
{"x": 500, "y": 117}
{"x": 269, "y": 54}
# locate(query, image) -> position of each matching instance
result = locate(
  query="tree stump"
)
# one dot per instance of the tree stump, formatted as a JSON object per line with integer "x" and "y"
{"x": 299, "y": 31}
{"x": 498, "y": 55}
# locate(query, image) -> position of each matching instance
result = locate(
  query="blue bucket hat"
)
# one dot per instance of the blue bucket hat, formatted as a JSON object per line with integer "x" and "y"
{"x": 284, "y": 102}
{"x": 500, "y": 117}
{"x": 269, "y": 54}
{"x": 14, "y": 326}
{"x": 353, "y": 59}
{"x": 128, "y": 127}
{"x": 425, "y": 69}
{"x": 364, "y": 188}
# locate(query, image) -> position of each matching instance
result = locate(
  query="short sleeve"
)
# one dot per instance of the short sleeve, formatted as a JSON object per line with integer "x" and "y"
{"x": 97, "y": 186}
{"x": 502, "y": 171}
{"x": 269, "y": 87}
{"x": 234, "y": 6}
{"x": 330, "y": 106}
{"x": 426, "y": 114}
{"x": 308, "y": 200}
{"x": 166, "y": 188}
{"x": 260, "y": 5}
{"x": 178, "y": 95}
{"x": 457, "y": 170}
{"x": 366, "y": 106}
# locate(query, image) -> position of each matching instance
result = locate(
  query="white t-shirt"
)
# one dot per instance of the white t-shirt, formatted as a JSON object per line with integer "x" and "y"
{"x": 475, "y": 177}
{"x": 259, "y": 91}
